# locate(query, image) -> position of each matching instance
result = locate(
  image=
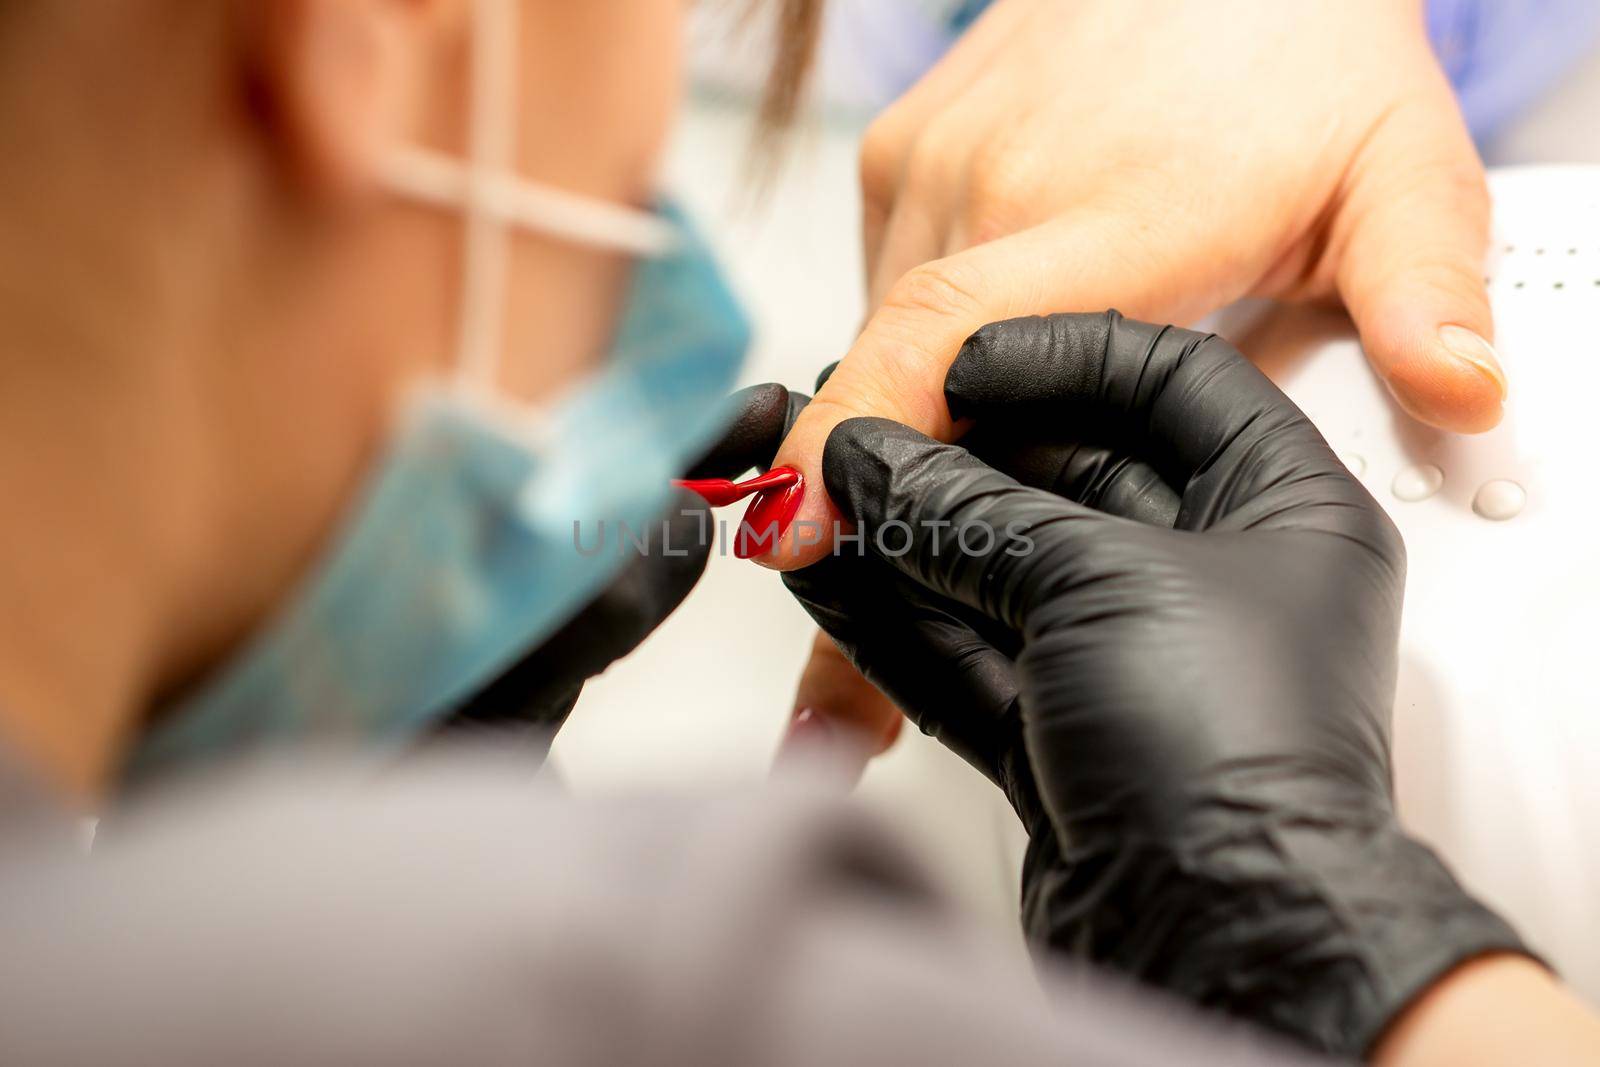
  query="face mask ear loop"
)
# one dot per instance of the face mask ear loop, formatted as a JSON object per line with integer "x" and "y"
{"x": 491, "y": 145}
{"x": 487, "y": 190}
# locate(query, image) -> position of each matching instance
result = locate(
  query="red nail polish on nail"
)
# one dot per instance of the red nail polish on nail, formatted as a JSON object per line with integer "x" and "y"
{"x": 820, "y": 749}
{"x": 807, "y": 731}
{"x": 720, "y": 491}
{"x": 769, "y": 516}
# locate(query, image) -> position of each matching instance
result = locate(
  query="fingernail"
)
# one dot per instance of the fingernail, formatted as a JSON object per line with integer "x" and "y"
{"x": 1470, "y": 348}
{"x": 768, "y": 518}
{"x": 807, "y": 731}
{"x": 814, "y": 750}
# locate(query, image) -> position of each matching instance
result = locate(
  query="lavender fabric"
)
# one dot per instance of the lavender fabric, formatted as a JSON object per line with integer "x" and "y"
{"x": 1500, "y": 54}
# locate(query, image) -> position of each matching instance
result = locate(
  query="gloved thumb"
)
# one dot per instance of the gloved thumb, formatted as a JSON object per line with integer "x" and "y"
{"x": 1411, "y": 272}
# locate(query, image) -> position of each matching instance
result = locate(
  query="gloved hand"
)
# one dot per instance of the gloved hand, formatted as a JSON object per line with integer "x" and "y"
{"x": 538, "y": 693}
{"x": 1179, "y": 665}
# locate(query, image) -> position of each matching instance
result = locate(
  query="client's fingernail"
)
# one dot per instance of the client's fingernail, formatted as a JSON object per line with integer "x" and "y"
{"x": 1470, "y": 348}
{"x": 769, "y": 516}
{"x": 814, "y": 749}
{"x": 807, "y": 731}
{"x": 821, "y": 748}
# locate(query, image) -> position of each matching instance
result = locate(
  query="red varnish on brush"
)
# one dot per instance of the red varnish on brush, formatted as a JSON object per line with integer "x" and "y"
{"x": 720, "y": 491}
{"x": 778, "y": 495}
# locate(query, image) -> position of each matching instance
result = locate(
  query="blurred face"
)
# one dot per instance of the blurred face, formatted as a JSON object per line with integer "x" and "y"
{"x": 212, "y": 300}
{"x": 355, "y": 293}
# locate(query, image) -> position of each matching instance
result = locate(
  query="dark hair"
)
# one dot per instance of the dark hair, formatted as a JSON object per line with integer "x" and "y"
{"x": 798, "y": 25}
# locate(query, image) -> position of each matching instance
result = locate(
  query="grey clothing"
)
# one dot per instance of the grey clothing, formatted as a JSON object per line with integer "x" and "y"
{"x": 458, "y": 911}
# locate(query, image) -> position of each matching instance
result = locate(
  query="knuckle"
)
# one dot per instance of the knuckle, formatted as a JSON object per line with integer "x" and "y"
{"x": 883, "y": 148}
{"x": 997, "y": 193}
{"x": 935, "y": 159}
{"x": 1423, "y": 167}
{"x": 881, "y": 396}
{"x": 946, "y": 287}
{"x": 1432, "y": 233}
{"x": 1382, "y": 538}
{"x": 1467, "y": 186}
{"x": 1391, "y": 543}
{"x": 917, "y": 330}
{"x": 943, "y": 288}
{"x": 1450, "y": 185}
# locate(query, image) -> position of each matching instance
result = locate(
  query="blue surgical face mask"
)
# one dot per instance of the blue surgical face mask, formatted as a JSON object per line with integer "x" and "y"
{"x": 479, "y": 531}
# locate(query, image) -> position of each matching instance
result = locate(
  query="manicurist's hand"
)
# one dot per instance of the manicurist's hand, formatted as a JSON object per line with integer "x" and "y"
{"x": 1164, "y": 157}
{"x": 1177, "y": 659}
{"x": 534, "y": 697}
{"x": 539, "y": 692}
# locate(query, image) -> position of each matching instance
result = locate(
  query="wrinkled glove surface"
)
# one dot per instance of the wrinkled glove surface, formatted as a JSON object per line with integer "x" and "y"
{"x": 1169, "y": 633}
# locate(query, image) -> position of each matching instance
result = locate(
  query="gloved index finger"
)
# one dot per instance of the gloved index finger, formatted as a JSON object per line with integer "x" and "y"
{"x": 943, "y": 517}
{"x": 539, "y": 690}
{"x": 763, "y": 417}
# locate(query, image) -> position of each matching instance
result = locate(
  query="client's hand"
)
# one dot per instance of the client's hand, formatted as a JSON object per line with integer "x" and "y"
{"x": 1179, "y": 666}
{"x": 1166, "y": 158}
{"x": 1169, "y": 158}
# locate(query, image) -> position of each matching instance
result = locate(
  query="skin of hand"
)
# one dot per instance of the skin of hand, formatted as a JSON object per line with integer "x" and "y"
{"x": 1165, "y": 158}
{"x": 1500, "y": 1011}
{"x": 1179, "y": 666}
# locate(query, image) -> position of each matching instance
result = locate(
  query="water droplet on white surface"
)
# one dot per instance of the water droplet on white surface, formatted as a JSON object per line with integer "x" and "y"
{"x": 1417, "y": 483}
{"x": 1356, "y": 463}
{"x": 1500, "y": 500}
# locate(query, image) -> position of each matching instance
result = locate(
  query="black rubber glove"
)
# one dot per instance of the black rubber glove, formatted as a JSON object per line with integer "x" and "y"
{"x": 1184, "y": 689}
{"x": 538, "y": 693}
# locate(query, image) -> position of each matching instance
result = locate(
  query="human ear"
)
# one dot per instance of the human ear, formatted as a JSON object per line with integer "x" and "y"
{"x": 338, "y": 81}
